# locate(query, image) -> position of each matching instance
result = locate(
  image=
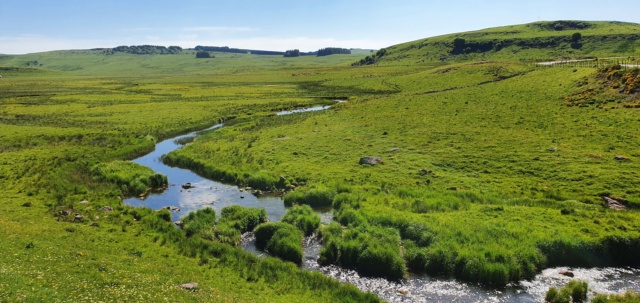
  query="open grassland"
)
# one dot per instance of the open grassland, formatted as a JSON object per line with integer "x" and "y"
{"x": 67, "y": 236}
{"x": 498, "y": 175}
{"x": 486, "y": 174}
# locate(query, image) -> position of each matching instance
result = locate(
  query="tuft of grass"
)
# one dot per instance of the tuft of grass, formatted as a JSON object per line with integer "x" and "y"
{"x": 132, "y": 178}
{"x": 575, "y": 291}
{"x": 281, "y": 240}
{"x": 236, "y": 220}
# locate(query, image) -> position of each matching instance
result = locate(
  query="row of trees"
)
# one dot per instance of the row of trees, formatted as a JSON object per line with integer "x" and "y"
{"x": 220, "y": 49}
{"x": 322, "y": 52}
{"x": 289, "y": 53}
{"x": 144, "y": 50}
{"x": 203, "y": 51}
{"x": 226, "y": 49}
{"x": 292, "y": 53}
{"x": 333, "y": 51}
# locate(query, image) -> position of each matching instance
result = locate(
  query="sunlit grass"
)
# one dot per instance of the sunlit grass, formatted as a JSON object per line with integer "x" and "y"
{"x": 486, "y": 175}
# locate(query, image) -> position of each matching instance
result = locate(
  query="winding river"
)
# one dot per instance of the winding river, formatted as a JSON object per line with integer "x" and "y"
{"x": 416, "y": 288}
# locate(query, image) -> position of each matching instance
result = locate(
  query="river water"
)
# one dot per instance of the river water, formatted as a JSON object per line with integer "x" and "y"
{"x": 416, "y": 288}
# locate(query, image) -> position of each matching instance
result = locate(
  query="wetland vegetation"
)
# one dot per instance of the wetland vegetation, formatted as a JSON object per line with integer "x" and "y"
{"x": 490, "y": 168}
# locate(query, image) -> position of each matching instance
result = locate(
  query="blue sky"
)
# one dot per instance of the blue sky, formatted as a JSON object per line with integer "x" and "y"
{"x": 33, "y": 26}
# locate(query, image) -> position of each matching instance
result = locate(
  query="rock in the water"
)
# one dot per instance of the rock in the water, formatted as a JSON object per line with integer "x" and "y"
{"x": 566, "y": 273}
{"x": 172, "y": 208}
{"x": 187, "y": 185}
{"x": 189, "y": 286}
{"x": 403, "y": 292}
{"x": 370, "y": 160}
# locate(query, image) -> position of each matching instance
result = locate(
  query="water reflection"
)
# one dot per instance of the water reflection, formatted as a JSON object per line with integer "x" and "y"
{"x": 302, "y": 110}
{"x": 205, "y": 192}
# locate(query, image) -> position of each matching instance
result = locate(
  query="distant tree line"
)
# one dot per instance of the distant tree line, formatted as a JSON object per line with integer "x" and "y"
{"x": 264, "y": 52}
{"x": 298, "y": 53}
{"x": 220, "y": 49}
{"x": 226, "y": 49}
{"x": 333, "y": 51}
{"x": 144, "y": 50}
{"x": 292, "y": 53}
{"x": 288, "y": 53}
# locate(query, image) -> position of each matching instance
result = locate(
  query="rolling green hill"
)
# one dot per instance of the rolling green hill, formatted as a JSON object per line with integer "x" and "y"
{"x": 487, "y": 174}
{"x": 535, "y": 41}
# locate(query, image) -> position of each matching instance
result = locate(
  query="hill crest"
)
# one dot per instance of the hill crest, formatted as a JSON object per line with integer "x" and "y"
{"x": 539, "y": 40}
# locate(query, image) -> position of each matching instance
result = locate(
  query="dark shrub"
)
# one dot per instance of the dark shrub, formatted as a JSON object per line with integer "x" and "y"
{"x": 203, "y": 55}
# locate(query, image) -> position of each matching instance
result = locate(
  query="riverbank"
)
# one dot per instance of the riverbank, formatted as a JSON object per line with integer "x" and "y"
{"x": 417, "y": 288}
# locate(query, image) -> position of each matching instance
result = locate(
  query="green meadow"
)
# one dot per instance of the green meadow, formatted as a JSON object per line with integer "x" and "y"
{"x": 487, "y": 173}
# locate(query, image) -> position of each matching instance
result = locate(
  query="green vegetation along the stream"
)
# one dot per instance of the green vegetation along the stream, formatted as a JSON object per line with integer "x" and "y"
{"x": 484, "y": 169}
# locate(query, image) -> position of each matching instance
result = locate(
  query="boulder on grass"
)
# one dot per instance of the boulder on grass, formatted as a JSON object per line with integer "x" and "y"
{"x": 370, "y": 160}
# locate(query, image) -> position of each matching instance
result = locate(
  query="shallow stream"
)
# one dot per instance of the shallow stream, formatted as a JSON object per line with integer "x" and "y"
{"x": 416, "y": 288}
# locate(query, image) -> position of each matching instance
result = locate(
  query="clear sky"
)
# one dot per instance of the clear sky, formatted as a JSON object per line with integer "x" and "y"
{"x": 41, "y": 25}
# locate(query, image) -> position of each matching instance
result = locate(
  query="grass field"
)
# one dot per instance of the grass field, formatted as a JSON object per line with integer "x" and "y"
{"x": 486, "y": 174}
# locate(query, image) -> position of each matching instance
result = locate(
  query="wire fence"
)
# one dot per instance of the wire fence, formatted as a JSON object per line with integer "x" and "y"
{"x": 629, "y": 62}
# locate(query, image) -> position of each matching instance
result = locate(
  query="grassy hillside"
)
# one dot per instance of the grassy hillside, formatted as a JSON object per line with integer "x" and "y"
{"x": 534, "y": 41}
{"x": 486, "y": 174}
